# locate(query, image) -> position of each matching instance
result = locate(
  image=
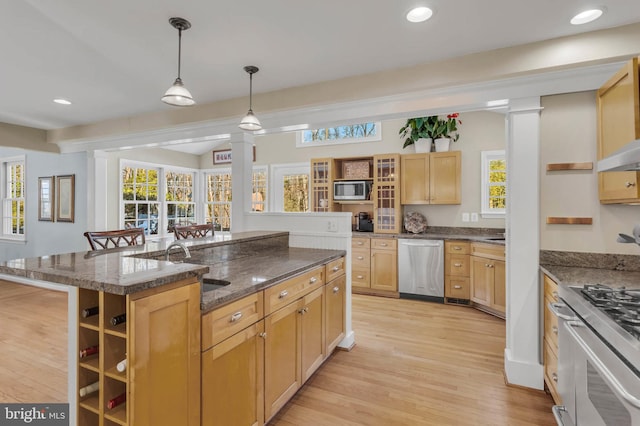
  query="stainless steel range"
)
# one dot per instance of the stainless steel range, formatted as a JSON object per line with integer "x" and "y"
{"x": 599, "y": 355}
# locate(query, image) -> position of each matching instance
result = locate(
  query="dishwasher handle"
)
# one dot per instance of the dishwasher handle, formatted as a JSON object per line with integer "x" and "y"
{"x": 421, "y": 244}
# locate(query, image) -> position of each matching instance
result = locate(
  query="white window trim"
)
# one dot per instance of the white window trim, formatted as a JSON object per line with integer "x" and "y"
{"x": 276, "y": 193}
{"x": 377, "y": 137}
{"x": 3, "y": 195}
{"x": 205, "y": 202}
{"x": 485, "y": 158}
{"x": 265, "y": 170}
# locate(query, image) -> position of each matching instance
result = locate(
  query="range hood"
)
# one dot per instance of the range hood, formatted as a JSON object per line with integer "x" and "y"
{"x": 626, "y": 158}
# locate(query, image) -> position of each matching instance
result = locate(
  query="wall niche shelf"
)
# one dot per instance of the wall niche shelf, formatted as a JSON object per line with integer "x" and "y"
{"x": 554, "y": 167}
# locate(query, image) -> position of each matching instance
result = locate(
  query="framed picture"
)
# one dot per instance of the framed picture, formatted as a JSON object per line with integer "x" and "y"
{"x": 224, "y": 156}
{"x": 65, "y": 198}
{"x": 46, "y": 198}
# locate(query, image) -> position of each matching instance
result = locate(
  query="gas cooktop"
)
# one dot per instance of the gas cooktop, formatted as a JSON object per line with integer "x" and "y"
{"x": 620, "y": 304}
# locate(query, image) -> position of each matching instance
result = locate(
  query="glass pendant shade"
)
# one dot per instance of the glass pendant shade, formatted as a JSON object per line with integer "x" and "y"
{"x": 178, "y": 95}
{"x": 250, "y": 122}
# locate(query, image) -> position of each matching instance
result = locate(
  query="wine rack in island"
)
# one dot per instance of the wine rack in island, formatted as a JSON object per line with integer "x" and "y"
{"x": 141, "y": 335}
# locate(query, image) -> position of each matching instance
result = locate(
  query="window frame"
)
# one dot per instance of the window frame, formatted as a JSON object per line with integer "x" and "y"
{"x": 206, "y": 202}
{"x": 486, "y": 157}
{"x": 7, "y": 200}
{"x": 332, "y": 142}
{"x": 277, "y": 174}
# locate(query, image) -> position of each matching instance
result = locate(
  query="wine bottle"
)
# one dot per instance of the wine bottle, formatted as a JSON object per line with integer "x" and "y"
{"x": 118, "y": 319}
{"x": 91, "y": 350}
{"x": 114, "y": 402}
{"x": 122, "y": 365}
{"x": 89, "y": 312}
{"x": 84, "y": 391}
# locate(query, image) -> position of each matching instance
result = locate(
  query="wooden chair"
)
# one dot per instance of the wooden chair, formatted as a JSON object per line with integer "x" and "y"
{"x": 192, "y": 231}
{"x": 99, "y": 240}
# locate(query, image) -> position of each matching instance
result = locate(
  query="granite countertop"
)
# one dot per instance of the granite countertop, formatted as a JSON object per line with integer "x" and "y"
{"x": 579, "y": 276}
{"x": 124, "y": 270}
{"x": 256, "y": 271}
{"x": 484, "y": 237}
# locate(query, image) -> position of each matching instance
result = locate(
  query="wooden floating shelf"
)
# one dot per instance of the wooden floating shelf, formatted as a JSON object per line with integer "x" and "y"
{"x": 569, "y": 220}
{"x": 552, "y": 167}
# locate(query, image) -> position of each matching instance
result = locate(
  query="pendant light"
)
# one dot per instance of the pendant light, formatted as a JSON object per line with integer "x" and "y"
{"x": 250, "y": 121}
{"x": 178, "y": 95}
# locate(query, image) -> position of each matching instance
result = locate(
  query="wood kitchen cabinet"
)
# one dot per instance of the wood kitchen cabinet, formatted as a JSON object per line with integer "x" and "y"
{"x": 618, "y": 113}
{"x": 386, "y": 194}
{"x": 457, "y": 283}
{"x": 162, "y": 326}
{"x": 322, "y": 176}
{"x": 335, "y": 317}
{"x": 295, "y": 336}
{"x": 374, "y": 266}
{"x": 431, "y": 178}
{"x": 550, "y": 339}
{"x": 488, "y": 278}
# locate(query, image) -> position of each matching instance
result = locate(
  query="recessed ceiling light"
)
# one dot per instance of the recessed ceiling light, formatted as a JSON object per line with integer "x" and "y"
{"x": 62, "y": 101}
{"x": 587, "y": 16}
{"x": 419, "y": 14}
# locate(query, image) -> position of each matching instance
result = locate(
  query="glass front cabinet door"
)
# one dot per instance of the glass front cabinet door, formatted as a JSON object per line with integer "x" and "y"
{"x": 386, "y": 194}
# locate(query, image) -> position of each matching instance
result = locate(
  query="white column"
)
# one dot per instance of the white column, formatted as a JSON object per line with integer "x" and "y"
{"x": 97, "y": 191}
{"x": 241, "y": 174}
{"x": 522, "y": 355}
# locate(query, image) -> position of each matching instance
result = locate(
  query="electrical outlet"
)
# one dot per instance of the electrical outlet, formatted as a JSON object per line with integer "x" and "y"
{"x": 465, "y": 217}
{"x": 474, "y": 217}
{"x": 332, "y": 225}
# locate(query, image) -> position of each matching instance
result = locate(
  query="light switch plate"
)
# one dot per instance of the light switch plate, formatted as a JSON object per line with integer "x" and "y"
{"x": 465, "y": 217}
{"x": 474, "y": 217}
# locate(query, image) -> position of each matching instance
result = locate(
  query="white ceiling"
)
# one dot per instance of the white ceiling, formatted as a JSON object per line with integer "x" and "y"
{"x": 116, "y": 58}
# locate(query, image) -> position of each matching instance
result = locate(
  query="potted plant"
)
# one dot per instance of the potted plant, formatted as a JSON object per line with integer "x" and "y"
{"x": 421, "y": 131}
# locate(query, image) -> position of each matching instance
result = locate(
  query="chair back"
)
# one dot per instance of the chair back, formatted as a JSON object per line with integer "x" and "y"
{"x": 100, "y": 240}
{"x": 192, "y": 231}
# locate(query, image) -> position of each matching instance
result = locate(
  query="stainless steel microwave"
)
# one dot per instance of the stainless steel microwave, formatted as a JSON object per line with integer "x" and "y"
{"x": 352, "y": 190}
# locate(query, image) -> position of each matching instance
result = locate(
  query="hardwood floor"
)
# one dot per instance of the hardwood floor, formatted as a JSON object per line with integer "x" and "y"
{"x": 414, "y": 363}
{"x": 417, "y": 363}
{"x": 33, "y": 362}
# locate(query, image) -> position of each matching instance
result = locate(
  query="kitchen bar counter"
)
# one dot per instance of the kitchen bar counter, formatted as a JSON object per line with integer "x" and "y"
{"x": 483, "y": 236}
{"x": 579, "y": 276}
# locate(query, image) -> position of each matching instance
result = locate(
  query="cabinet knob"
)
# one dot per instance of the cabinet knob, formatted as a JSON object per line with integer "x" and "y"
{"x": 457, "y": 265}
{"x": 336, "y": 269}
{"x": 554, "y": 377}
{"x": 383, "y": 244}
{"x": 235, "y": 317}
{"x": 360, "y": 277}
{"x": 303, "y": 310}
{"x": 263, "y": 335}
{"x": 360, "y": 257}
{"x": 360, "y": 243}
{"x": 486, "y": 265}
{"x": 457, "y": 287}
{"x": 629, "y": 184}
{"x": 313, "y": 280}
{"x": 554, "y": 329}
{"x": 457, "y": 248}
{"x": 283, "y": 294}
{"x": 555, "y": 295}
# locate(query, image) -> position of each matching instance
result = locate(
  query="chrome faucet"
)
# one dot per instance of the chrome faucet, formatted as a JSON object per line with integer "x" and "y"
{"x": 184, "y": 248}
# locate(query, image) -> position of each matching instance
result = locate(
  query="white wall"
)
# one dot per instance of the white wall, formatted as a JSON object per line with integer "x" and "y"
{"x": 568, "y": 134}
{"x": 49, "y": 237}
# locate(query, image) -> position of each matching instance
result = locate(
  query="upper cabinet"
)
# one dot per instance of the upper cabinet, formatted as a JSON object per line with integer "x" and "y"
{"x": 386, "y": 193}
{"x": 321, "y": 184}
{"x": 618, "y": 111}
{"x": 431, "y": 178}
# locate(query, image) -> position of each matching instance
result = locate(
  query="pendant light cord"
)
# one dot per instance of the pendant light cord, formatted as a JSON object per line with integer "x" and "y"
{"x": 250, "y": 90}
{"x": 179, "y": 50}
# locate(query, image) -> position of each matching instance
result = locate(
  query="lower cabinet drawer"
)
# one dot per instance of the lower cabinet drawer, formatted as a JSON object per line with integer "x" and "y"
{"x": 550, "y": 325}
{"x": 223, "y": 322}
{"x": 458, "y": 265}
{"x": 360, "y": 278}
{"x": 284, "y": 293}
{"x": 334, "y": 269}
{"x": 551, "y": 372}
{"x": 457, "y": 287}
{"x": 360, "y": 259}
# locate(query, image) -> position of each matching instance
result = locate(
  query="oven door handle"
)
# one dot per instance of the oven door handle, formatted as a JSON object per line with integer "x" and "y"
{"x": 561, "y": 419}
{"x": 599, "y": 365}
{"x": 554, "y": 307}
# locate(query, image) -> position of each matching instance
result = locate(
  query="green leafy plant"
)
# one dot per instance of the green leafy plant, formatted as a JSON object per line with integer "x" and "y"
{"x": 430, "y": 127}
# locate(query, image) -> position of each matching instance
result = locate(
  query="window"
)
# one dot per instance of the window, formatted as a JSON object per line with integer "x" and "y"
{"x": 494, "y": 180}
{"x": 140, "y": 198}
{"x": 259, "y": 185}
{"x": 13, "y": 214}
{"x": 179, "y": 197}
{"x": 290, "y": 187}
{"x": 218, "y": 199}
{"x": 355, "y": 133}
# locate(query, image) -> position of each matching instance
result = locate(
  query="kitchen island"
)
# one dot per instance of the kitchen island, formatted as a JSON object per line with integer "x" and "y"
{"x": 164, "y": 305}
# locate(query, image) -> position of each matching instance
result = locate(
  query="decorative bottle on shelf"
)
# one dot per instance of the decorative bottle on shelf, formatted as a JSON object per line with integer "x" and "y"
{"x": 91, "y": 350}
{"x": 122, "y": 366}
{"x": 89, "y": 312}
{"x": 118, "y": 319}
{"x": 114, "y": 402}
{"x": 84, "y": 391}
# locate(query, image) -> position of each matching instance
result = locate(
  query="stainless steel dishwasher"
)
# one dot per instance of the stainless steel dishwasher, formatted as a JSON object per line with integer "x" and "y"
{"x": 421, "y": 269}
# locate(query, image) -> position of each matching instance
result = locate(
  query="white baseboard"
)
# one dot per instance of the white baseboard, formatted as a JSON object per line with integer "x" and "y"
{"x": 523, "y": 373}
{"x": 348, "y": 341}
